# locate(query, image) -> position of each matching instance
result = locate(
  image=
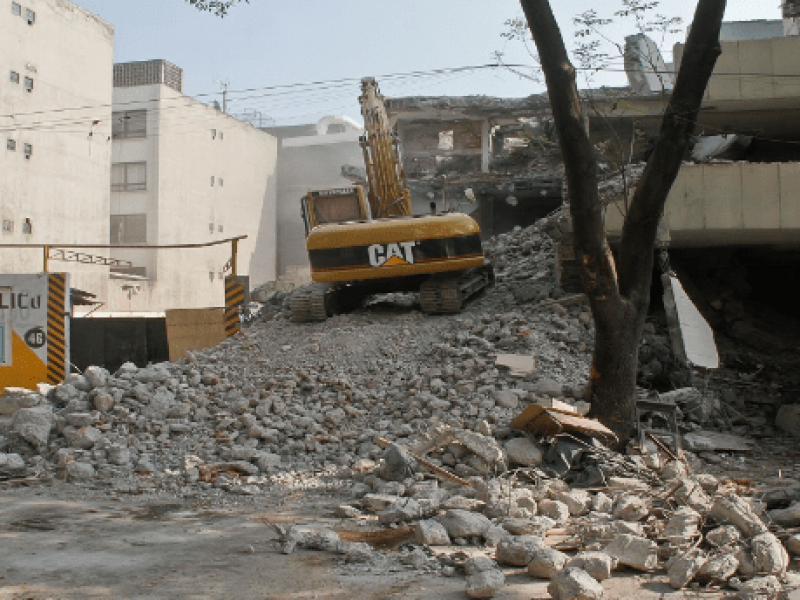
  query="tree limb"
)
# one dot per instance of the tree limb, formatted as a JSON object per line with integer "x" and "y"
{"x": 640, "y": 228}
{"x": 580, "y": 161}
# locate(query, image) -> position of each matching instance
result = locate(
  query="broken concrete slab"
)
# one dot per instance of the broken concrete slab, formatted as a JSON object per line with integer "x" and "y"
{"x": 485, "y": 584}
{"x": 720, "y": 568}
{"x": 682, "y": 526}
{"x": 464, "y": 524}
{"x": 546, "y": 562}
{"x": 737, "y": 511}
{"x": 574, "y": 583}
{"x": 629, "y": 507}
{"x": 519, "y": 365}
{"x": 723, "y": 536}
{"x": 597, "y": 564}
{"x": 769, "y": 555}
{"x": 684, "y": 568}
{"x": 524, "y": 452}
{"x": 714, "y": 441}
{"x": 760, "y": 588}
{"x": 517, "y": 551}
{"x": 578, "y": 501}
{"x": 431, "y": 533}
{"x": 634, "y": 551}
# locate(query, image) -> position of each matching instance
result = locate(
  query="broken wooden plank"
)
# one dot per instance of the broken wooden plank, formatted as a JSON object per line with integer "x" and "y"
{"x": 550, "y": 422}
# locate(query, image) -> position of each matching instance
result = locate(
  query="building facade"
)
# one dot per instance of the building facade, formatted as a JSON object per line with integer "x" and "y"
{"x": 183, "y": 172}
{"x": 310, "y": 157}
{"x": 55, "y": 116}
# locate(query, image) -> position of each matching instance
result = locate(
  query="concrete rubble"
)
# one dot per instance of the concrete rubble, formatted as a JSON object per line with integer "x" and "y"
{"x": 408, "y": 417}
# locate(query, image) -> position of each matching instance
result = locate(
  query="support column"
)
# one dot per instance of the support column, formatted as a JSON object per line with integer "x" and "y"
{"x": 486, "y": 146}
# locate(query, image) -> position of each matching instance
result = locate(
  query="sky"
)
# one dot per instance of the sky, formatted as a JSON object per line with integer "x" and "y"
{"x": 408, "y": 45}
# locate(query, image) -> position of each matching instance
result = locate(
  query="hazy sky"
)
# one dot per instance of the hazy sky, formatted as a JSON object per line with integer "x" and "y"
{"x": 271, "y": 43}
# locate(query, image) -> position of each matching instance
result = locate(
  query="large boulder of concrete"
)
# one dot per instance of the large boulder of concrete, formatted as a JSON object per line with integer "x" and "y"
{"x": 684, "y": 568}
{"x": 524, "y": 452}
{"x": 517, "y": 551}
{"x": 631, "y": 508}
{"x": 574, "y": 584}
{"x": 634, "y": 551}
{"x": 769, "y": 555}
{"x": 546, "y": 562}
{"x": 431, "y": 533}
{"x": 579, "y": 502}
{"x": 11, "y": 463}
{"x": 597, "y": 564}
{"x": 739, "y": 512}
{"x": 97, "y": 377}
{"x": 484, "y": 579}
{"x": 464, "y": 524}
{"x": 34, "y": 424}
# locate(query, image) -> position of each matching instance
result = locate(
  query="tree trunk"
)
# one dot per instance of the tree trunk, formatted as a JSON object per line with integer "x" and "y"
{"x": 619, "y": 299}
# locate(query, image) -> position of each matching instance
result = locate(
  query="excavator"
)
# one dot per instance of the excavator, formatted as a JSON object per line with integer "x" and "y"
{"x": 362, "y": 243}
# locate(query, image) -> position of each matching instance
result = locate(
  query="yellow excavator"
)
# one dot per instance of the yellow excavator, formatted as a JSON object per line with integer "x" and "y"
{"x": 360, "y": 244}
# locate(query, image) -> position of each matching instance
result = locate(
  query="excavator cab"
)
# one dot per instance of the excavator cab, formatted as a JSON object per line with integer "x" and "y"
{"x": 339, "y": 205}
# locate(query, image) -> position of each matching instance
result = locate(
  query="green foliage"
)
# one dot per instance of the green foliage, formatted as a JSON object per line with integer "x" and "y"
{"x": 218, "y": 7}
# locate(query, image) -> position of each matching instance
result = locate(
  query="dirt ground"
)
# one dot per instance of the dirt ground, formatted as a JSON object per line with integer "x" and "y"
{"x": 57, "y": 543}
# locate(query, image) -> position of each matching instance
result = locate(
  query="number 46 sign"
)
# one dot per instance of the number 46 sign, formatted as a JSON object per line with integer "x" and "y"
{"x": 36, "y": 337}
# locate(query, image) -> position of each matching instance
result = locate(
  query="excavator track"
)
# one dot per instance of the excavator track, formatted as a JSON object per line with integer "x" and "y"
{"x": 310, "y": 303}
{"x": 318, "y": 301}
{"x": 446, "y": 293}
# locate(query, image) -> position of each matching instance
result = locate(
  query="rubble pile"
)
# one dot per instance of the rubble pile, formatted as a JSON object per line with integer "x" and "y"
{"x": 419, "y": 421}
{"x": 650, "y": 515}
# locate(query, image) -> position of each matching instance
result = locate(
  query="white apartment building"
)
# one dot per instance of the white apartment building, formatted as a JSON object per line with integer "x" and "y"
{"x": 310, "y": 157}
{"x": 55, "y": 135}
{"x": 183, "y": 172}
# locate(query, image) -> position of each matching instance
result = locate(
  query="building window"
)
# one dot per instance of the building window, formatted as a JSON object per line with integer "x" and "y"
{"x": 16, "y": 9}
{"x": 11, "y": 145}
{"x": 28, "y": 84}
{"x": 128, "y": 177}
{"x": 221, "y": 182}
{"x": 212, "y": 181}
{"x": 30, "y": 16}
{"x": 128, "y": 229}
{"x": 27, "y": 226}
{"x": 210, "y": 228}
{"x": 28, "y": 150}
{"x": 213, "y": 134}
{"x": 129, "y": 124}
{"x": 219, "y": 229}
{"x": 14, "y": 77}
{"x": 221, "y": 136}
{"x": 137, "y": 271}
{"x": 211, "y": 275}
{"x": 8, "y": 226}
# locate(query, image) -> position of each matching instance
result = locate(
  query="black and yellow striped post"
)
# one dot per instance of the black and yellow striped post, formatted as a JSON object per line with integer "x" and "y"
{"x": 234, "y": 298}
{"x": 57, "y": 357}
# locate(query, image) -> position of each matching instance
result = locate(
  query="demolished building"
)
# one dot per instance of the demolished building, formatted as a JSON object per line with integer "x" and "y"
{"x": 495, "y": 158}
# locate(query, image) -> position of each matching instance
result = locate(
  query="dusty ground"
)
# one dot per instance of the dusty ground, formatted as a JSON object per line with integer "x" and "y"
{"x": 151, "y": 547}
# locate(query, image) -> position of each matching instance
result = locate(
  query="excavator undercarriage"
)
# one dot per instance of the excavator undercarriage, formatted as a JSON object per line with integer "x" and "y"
{"x": 443, "y": 293}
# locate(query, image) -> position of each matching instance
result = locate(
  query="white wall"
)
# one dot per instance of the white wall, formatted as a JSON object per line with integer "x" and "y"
{"x": 188, "y": 143}
{"x": 64, "y": 187}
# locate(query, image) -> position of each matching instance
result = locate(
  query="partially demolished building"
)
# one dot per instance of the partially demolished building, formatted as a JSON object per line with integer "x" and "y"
{"x": 493, "y": 157}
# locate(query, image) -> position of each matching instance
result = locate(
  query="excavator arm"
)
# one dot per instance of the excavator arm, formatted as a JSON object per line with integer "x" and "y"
{"x": 388, "y": 195}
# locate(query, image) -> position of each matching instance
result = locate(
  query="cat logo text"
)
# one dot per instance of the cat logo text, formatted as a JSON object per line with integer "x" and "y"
{"x": 389, "y": 255}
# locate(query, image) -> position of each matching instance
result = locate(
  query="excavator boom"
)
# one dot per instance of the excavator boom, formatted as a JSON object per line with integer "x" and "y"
{"x": 388, "y": 195}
